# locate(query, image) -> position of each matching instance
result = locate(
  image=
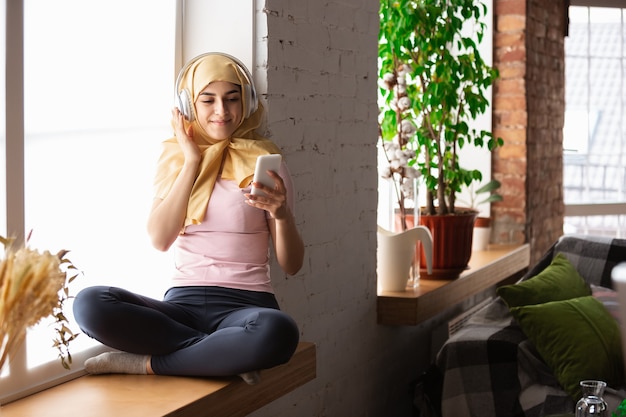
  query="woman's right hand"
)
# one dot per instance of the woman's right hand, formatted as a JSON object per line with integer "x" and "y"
{"x": 168, "y": 215}
{"x": 190, "y": 148}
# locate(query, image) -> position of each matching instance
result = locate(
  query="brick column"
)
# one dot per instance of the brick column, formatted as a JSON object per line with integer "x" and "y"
{"x": 529, "y": 105}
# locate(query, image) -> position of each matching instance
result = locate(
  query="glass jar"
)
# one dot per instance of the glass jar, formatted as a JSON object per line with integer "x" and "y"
{"x": 592, "y": 404}
{"x": 405, "y": 215}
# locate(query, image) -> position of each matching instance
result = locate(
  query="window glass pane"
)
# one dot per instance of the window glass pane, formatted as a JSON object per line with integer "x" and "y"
{"x": 578, "y": 120}
{"x": 605, "y": 36}
{"x": 577, "y": 40}
{"x": 605, "y": 98}
{"x": 98, "y": 92}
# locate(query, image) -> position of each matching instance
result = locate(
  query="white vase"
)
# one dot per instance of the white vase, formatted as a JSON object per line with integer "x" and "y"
{"x": 395, "y": 256}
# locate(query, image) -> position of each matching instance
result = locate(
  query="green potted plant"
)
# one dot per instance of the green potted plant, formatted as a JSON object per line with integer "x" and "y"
{"x": 434, "y": 84}
{"x": 485, "y": 193}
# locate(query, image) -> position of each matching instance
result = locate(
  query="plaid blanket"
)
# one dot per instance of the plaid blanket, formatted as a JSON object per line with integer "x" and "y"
{"x": 489, "y": 368}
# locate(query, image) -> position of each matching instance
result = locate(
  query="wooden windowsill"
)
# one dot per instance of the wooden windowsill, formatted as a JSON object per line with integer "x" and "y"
{"x": 167, "y": 396}
{"x": 486, "y": 269}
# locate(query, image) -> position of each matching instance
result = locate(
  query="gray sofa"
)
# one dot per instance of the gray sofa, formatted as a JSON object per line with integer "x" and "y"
{"x": 491, "y": 368}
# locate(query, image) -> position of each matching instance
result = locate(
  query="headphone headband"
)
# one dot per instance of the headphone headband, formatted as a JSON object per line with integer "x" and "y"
{"x": 183, "y": 98}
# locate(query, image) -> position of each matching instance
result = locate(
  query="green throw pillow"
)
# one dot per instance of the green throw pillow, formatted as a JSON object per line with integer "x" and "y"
{"x": 577, "y": 338}
{"x": 558, "y": 281}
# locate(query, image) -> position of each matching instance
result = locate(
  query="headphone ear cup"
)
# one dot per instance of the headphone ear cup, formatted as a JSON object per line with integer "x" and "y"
{"x": 251, "y": 99}
{"x": 185, "y": 105}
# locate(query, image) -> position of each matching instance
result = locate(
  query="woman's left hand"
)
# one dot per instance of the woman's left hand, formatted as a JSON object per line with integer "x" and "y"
{"x": 273, "y": 200}
{"x": 288, "y": 244}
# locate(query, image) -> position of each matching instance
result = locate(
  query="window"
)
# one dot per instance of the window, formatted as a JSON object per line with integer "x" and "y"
{"x": 97, "y": 99}
{"x": 98, "y": 89}
{"x": 595, "y": 127}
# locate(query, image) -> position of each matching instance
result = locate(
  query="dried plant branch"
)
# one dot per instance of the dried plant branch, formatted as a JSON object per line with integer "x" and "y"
{"x": 34, "y": 285}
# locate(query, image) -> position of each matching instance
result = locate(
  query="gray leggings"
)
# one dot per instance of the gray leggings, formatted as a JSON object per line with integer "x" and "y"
{"x": 194, "y": 331}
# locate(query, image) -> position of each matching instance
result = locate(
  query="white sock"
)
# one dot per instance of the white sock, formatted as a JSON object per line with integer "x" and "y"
{"x": 117, "y": 363}
{"x": 251, "y": 378}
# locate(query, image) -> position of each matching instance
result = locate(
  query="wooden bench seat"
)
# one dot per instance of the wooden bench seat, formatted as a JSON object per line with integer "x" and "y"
{"x": 152, "y": 396}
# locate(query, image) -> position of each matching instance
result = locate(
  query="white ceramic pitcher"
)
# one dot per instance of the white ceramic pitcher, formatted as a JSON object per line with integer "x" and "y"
{"x": 395, "y": 254}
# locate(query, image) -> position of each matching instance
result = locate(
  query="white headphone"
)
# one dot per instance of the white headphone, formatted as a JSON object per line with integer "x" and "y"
{"x": 183, "y": 97}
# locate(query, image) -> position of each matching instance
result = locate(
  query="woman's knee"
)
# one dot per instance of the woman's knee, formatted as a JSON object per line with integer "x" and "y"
{"x": 282, "y": 333}
{"x": 88, "y": 306}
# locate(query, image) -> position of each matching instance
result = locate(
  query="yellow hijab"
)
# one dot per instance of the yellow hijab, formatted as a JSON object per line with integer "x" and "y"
{"x": 238, "y": 153}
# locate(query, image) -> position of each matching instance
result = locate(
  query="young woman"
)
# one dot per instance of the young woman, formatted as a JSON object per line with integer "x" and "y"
{"x": 220, "y": 317}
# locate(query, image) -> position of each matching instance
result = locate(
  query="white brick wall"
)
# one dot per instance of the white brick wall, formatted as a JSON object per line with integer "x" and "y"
{"x": 321, "y": 71}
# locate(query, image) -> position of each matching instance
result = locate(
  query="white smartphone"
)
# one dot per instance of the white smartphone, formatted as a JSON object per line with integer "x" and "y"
{"x": 265, "y": 163}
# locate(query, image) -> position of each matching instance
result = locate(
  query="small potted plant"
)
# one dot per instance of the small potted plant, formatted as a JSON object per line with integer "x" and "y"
{"x": 484, "y": 194}
{"x": 433, "y": 86}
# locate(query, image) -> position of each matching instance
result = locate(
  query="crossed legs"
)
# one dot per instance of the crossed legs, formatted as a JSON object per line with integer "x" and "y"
{"x": 195, "y": 331}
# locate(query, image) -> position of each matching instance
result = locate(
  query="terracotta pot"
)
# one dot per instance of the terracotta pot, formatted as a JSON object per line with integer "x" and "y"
{"x": 452, "y": 242}
{"x": 482, "y": 222}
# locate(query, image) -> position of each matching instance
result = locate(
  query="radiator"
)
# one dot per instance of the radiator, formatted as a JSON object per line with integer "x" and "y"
{"x": 458, "y": 322}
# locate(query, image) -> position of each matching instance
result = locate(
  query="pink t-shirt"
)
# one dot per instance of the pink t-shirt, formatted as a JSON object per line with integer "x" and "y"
{"x": 230, "y": 248}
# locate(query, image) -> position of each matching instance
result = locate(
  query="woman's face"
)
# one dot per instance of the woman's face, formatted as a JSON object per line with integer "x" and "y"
{"x": 219, "y": 109}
